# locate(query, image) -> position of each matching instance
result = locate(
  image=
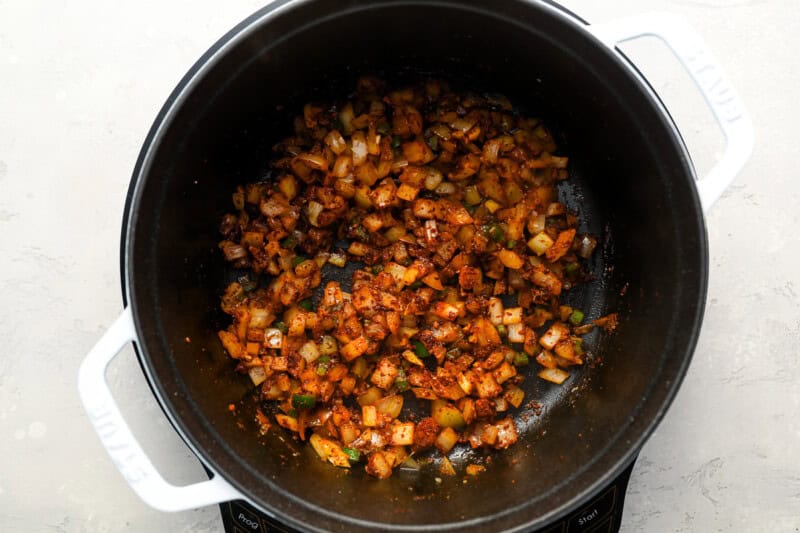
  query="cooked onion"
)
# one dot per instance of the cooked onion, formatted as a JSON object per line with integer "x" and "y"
{"x": 586, "y": 246}
{"x": 234, "y": 252}
{"x": 448, "y": 202}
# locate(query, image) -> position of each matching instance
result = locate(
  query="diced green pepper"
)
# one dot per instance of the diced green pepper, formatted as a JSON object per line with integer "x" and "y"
{"x": 433, "y": 142}
{"x": 297, "y": 260}
{"x": 501, "y": 329}
{"x": 576, "y": 317}
{"x": 471, "y": 195}
{"x": 521, "y": 359}
{"x": 377, "y": 269}
{"x": 323, "y": 365}
{"x": 511, "y": 244}
{"x": 303, "y": 401}
{"x": 288, "y": 243}
{"x": 420, "y": 349}
{"x": 361, "y": 233}
{"x": 577, "y": 343}
{"x": 247, "y": 284}
{"x": 282, "y": 327}
{"x": 571, "y": 267}
{"x": 401, "y": 382}
{"x": 416, "y": 285}
{"x": 496, "y": 233}
{"x": 306, "y": 304}
{"x": 352, "y": 454}
{"x": 396, "y": 142}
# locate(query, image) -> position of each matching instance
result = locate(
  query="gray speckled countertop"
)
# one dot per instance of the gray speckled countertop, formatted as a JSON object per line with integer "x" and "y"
{"x": 80, "y": 83}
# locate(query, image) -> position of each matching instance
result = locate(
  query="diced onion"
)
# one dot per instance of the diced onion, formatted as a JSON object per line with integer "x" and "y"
{"x": 586, "y": 246}
{"x": 553, "y": 375}
{"x": 446, "y": 205}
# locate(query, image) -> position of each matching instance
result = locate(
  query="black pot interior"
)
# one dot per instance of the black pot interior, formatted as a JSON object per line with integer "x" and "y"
{"x": 631, "y": 183}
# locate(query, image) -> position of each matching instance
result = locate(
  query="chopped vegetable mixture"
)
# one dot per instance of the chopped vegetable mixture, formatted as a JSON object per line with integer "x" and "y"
{"x": 448, "y": 204}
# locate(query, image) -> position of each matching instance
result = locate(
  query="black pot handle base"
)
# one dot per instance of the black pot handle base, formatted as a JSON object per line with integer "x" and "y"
{"x": 603, "y": 514}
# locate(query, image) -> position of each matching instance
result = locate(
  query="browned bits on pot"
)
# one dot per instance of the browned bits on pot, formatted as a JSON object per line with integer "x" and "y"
{"x": 449, "y": 202}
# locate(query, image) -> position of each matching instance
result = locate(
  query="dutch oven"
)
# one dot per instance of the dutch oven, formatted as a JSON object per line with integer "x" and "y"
{"x": 632, "y": 182}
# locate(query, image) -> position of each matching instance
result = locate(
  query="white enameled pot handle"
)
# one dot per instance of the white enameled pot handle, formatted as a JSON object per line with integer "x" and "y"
{"x": 690, "y": 49}
{"x": 122, "y": 446}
